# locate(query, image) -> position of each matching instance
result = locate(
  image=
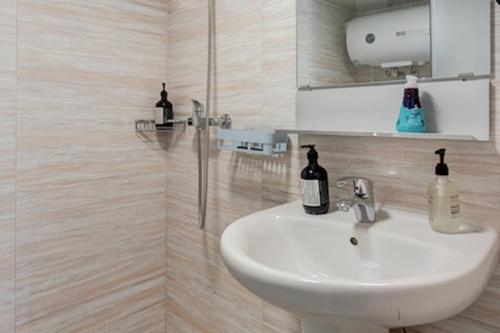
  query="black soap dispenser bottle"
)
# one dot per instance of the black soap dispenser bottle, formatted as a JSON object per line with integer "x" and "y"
{"x": 164, "y": 111}
{"x": 314, "y": 183}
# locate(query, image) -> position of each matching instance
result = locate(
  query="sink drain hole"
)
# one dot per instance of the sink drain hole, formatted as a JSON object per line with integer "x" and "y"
{"x": 354, "y": 241}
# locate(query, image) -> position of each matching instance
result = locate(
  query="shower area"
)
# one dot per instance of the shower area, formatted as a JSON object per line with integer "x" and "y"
{"x": 99, "y": 230}
{"x": 253, "y": 80}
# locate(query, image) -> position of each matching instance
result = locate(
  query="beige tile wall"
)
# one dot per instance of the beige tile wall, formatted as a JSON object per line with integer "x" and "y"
{"x": 7, "y": 162}
{"x": 90, "y": 193}
{"x": 89, "y": 228}
{"x": 255, "y": 80}
{"x": 323, "y": 58}
{"x": 201, "y": 295}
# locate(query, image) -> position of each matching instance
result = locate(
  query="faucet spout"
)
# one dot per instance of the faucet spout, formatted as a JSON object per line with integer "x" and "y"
{"x": 363, "y": 211}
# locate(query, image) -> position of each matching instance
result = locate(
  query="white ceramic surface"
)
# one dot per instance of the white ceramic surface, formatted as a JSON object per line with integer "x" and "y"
{"x": 400, "y": 273}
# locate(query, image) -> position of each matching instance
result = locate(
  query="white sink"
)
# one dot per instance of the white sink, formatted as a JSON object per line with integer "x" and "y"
{"x": 400, "y": 273}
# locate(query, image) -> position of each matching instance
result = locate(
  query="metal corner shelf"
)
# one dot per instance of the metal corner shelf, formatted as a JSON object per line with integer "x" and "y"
{"x": 149, "y": 126}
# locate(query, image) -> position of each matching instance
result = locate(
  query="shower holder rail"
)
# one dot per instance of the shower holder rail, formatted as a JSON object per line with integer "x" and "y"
{"x": 150, "y": 125}
{"x": 254, "y": 141}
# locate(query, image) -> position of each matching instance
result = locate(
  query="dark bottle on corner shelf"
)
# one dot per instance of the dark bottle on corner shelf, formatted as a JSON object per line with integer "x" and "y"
{"x": 164, "y": 111}
{"x": 314, "y": 183}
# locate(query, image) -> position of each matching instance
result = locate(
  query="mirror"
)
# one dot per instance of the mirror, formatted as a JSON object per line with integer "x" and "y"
{"x": 359, "y": 42}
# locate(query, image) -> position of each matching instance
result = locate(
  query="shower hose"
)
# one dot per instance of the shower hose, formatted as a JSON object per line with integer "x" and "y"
{"x": 203, "y": 133}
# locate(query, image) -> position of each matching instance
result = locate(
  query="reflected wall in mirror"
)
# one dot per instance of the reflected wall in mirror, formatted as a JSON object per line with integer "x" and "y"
{"x": 349, "y": 42}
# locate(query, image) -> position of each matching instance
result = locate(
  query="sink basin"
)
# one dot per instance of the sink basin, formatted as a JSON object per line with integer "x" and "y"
{"x": 343, "y": 276}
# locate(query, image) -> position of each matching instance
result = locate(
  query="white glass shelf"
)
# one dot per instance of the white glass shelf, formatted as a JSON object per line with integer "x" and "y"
{"x": 455, "y": 110}
{"x": 425, "y": 136}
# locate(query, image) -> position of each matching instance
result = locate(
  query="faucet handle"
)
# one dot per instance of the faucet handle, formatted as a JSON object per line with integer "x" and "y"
{"x": 361, "y": 185}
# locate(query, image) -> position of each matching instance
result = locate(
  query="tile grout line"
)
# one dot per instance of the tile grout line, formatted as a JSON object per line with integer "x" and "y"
{"x": 165, "y": 179}
{"x": 15, "y": 169}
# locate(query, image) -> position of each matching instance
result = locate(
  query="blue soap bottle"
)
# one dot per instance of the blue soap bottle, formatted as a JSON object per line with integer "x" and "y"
{"x": 411, "y": 114}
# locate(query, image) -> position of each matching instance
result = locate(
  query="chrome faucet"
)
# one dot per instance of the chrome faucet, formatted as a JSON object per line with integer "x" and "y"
{"x": 362, "y": 203}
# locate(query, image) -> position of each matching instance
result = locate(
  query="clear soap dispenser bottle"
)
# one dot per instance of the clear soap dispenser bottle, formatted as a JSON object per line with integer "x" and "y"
{"x": 444, "y": 199}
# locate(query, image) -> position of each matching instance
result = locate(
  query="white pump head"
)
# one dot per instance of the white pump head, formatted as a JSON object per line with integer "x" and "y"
{"x": 411, "y": 82}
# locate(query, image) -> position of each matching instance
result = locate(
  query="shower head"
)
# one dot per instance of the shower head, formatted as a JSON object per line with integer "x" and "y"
{"x": 197, "y": 108}
{"x": 198, "y": 114}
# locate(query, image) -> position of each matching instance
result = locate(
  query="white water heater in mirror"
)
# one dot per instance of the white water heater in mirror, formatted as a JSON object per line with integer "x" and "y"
{"x": 400, "y": 37}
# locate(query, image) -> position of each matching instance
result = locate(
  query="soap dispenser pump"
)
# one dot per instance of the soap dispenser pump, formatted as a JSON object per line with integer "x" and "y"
{"x": 443, "y": 199}
{"x": 314, "y": 183}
